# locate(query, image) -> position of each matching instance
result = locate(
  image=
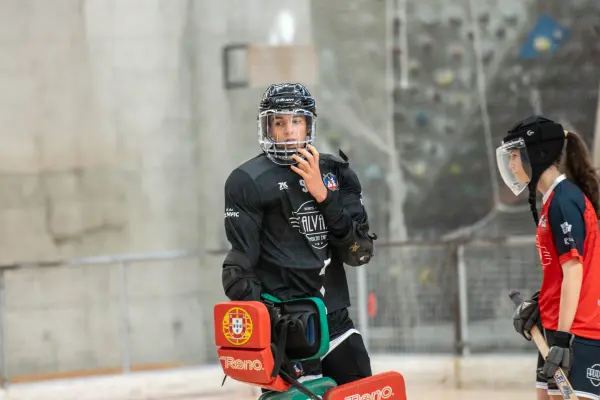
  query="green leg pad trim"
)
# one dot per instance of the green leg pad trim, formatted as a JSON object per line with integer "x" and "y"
{"x": 324, "y": 327}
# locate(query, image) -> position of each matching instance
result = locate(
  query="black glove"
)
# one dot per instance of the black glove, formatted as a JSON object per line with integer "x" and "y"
{"x": 559, "y": 356}
{"x": 526, "y": 315}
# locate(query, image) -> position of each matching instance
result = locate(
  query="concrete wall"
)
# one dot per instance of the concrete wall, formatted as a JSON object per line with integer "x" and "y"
{"x": 113, "y": 138}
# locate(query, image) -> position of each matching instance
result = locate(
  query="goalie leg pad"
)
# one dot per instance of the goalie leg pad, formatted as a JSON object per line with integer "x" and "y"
{"x": 317, "y": 386}
{"x": 387, "y": 385}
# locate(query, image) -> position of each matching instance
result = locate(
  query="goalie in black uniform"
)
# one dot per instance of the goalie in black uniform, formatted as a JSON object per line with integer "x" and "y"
{"x": 293, "y": 217}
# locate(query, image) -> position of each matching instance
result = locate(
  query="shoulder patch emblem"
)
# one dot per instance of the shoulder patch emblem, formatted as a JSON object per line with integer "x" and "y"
{"x": 330, "y": 181}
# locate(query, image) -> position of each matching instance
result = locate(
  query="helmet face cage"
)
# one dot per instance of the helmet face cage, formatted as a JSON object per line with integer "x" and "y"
{"x": 281, "y": 133}
{"x": 514, "y": 165}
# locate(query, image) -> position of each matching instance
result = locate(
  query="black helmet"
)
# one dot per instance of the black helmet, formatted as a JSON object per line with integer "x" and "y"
{"x": 534, "y": 143}
{"x": 285, "y": 101}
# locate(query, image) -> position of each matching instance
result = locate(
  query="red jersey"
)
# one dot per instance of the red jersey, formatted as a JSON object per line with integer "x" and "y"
{"x": 567, "y": 229}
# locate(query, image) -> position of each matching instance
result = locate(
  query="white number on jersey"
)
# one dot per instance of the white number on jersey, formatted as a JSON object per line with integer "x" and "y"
{"x": 303, "y": 184}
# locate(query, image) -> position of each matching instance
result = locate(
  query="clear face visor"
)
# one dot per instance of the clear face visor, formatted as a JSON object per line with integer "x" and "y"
{"x": 282, "y": 133}
{"x": 514, "y": 165}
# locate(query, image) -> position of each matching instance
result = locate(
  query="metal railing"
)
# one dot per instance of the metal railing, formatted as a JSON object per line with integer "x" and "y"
{"x": 122, "y": 262}
{"x": 431, "y": 297}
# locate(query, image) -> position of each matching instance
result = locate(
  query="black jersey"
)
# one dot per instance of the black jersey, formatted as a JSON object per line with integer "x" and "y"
{"x": 284, "y": 241}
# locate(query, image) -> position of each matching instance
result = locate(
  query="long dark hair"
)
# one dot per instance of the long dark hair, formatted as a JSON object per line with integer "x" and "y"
{"x": 579, "y": 169}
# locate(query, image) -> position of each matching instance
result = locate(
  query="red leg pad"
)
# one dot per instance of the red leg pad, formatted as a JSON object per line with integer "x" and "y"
{"x": 243, "y": 339}
{"x": 387, "y": 385}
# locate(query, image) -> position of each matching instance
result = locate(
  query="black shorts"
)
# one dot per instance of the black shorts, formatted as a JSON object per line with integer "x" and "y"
{"x": 585, "y": 369}
{"x": 347, "y": 362}
{"x": 347, "y": 359}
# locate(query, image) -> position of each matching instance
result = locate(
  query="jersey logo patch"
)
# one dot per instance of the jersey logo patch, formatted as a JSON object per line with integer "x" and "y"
{"x": 543, "y": 222}
{"x": 566, "y": 227}
{"x": 231, "y": 213}
{"x": 237, "y": 326}
{"x": 310, "y": 223}
{"x": 545, "y": 256}
{"x": 330, "y": 181}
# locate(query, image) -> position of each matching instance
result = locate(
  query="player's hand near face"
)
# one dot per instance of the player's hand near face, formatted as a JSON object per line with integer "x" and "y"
{"x": 309, "y": 170}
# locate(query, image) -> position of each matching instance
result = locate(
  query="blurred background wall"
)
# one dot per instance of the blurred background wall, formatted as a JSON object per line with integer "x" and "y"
{"x": 118, "y": 130}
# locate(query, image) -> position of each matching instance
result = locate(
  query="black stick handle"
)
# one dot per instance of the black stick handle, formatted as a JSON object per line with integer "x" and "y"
{"x": 515, "y": 296}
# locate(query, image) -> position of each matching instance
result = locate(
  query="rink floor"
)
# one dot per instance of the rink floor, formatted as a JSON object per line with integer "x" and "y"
{"x": 435, "y": 394}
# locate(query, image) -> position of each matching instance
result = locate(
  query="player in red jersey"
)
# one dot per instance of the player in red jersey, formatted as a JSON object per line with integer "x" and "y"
{"x": 533, "y": 155}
